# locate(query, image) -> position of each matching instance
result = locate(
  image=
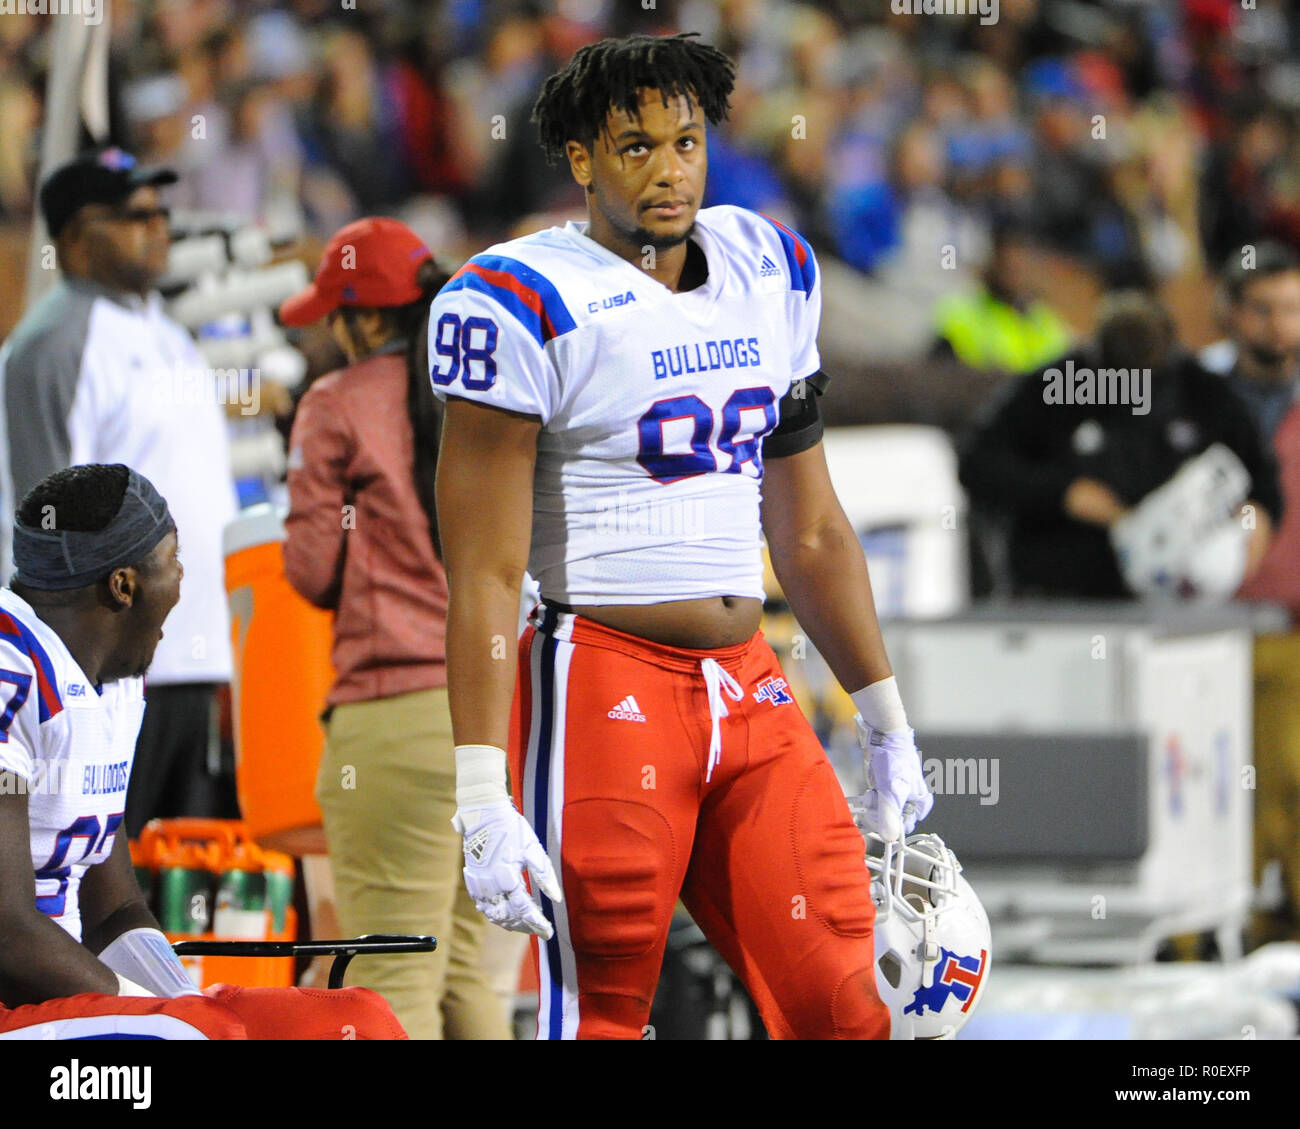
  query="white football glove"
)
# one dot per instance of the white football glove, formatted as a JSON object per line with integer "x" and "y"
{"x": 498, "y": 845}
{"x": 897, "y": 797}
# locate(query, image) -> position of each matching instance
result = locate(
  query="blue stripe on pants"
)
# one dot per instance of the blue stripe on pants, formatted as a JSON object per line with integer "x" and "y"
{"x": 541, "y": 779}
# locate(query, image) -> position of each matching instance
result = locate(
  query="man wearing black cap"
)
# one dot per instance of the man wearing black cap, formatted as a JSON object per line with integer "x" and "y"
{"x": 104, "y": 215}
{"x": 96, "y": 372}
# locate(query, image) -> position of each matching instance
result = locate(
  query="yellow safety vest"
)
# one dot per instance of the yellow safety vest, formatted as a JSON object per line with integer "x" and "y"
{"x": 987, "y": 334}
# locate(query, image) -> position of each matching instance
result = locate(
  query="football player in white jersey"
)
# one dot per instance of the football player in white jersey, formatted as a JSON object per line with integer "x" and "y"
{"x": 97, "y": 575}
{"x": 631, "y": 402}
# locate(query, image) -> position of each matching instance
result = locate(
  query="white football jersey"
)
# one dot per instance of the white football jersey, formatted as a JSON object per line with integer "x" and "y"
{"x": 653, "y": 403}
{"x": 69, "y": 747}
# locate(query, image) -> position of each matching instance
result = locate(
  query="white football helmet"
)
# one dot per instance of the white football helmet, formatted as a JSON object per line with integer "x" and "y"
{"x": 933, "y": 944}
{"x": 1184, "y": 539}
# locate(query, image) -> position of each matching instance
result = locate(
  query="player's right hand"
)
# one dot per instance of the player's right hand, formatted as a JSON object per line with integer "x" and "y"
{"x": 499, "y": 844}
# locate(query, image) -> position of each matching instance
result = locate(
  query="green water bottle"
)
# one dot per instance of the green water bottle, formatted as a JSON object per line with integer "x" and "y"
{"x": 185, "y": 889}
{"x": 241, "y": 911}
{"x": 279, "y": 889}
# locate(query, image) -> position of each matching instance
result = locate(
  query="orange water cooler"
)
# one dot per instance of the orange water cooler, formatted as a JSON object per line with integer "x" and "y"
{"x": 282, "y": 672}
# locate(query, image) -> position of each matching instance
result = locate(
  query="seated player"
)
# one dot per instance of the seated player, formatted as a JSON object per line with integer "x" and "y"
{"x": 97, "y": 574}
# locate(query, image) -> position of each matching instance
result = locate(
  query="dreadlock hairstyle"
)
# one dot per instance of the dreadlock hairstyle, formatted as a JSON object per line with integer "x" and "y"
{"x": 606, "y": 76}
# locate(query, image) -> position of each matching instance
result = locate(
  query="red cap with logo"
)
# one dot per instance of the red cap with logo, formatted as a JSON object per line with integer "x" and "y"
{"x": 372, "y": 262}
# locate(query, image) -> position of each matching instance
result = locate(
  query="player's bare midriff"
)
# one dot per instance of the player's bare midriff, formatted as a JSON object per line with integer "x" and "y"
{"x": 715, "y": 621}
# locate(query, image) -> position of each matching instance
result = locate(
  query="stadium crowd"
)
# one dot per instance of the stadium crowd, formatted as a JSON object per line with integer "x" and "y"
{"x": 1140, "y": 141}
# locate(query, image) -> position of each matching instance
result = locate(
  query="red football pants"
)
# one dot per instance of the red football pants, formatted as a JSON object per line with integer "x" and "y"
{"x": 222, "y": 1012}
{"x": 610, "y": 754}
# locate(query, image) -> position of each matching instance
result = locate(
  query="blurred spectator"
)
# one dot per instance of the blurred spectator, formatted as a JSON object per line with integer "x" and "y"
{"x": 1003, "y": 326}
{"x": 20, "y": 111}
{"x": 1062, "y": 473}
{"x": 97, "y": 373}
{"x": 1262, "y": 290}
{"x": 931, "y": 225}
{"x": 154, "y": 108}
{"x": 1157, "y": 190}
{"x": 1067, "y": 177}
{"x": 744, "y": 179}
{"x": 352, "y": 128}
{"x": 516, "y": 178}
{"x": 1250, "y": 184}
{"x": 993, "y": 134}
{"x": 426, "y": 120}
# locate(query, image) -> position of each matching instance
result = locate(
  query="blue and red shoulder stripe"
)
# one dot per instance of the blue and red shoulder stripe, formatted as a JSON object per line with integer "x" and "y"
{"x": 798, "y": 257}
{"x": 527, "y": 294}
{"x": 22, "y": 637}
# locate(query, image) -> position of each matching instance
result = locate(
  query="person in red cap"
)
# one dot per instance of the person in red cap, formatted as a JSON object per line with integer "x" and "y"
{"x": 362, "y": 541}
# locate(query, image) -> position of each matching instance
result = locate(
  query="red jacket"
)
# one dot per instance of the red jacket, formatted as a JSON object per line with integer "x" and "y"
{"x": 373, "y": 564}
{"x": 1278, "y": 576}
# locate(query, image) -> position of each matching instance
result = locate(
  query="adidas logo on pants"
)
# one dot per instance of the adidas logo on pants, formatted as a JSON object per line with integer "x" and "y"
{"x": 626, "y": 710}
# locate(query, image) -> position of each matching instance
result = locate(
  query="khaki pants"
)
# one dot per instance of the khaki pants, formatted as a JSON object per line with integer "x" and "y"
{"x": 387, "y": 791}
{"x": 1277, "y": 775}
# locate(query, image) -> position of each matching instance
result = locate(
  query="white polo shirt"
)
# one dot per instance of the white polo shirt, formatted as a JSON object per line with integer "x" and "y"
{"x": 92, "y": 376}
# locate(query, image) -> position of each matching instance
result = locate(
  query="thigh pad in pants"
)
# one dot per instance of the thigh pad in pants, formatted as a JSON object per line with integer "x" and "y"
{"x": 621, "y": 876}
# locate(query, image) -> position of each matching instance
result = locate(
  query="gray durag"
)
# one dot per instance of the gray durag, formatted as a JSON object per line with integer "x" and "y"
{"x": 54, "y": 559}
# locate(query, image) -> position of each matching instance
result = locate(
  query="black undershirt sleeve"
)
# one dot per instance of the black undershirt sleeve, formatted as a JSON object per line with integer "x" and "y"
{"x": 800, "y": 419}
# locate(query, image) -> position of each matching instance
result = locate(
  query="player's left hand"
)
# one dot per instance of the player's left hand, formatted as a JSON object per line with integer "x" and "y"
{"x": 897, "y": 797}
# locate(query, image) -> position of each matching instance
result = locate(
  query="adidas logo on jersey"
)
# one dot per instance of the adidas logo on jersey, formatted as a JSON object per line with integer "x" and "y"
{"x": 627, "y": 710}
{"x": 768, "y": 269}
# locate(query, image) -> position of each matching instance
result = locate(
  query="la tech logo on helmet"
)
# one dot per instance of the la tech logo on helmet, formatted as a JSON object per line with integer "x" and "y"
{"x": 958, "y": 976}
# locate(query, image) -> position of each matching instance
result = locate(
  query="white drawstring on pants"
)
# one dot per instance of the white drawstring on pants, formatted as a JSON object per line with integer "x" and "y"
{"x": 715, "y": 680}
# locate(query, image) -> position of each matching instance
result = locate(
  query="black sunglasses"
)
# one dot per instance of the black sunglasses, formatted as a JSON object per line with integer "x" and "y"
{"x": 136, "y": 215}
{"x": 144, "y": 215}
